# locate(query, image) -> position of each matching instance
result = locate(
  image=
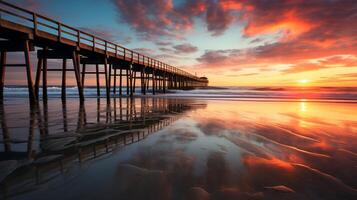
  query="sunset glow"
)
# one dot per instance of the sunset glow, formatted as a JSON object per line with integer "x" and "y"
{"x": 303, "y": 81}
{"x": 232, "y": 42}
{"x": 178, "y": 99}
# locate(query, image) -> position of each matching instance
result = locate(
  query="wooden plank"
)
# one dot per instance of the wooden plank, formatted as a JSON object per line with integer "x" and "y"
{"x": 8, "y": 26}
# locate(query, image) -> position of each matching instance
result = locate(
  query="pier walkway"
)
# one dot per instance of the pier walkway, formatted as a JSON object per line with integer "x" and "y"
{"x": 24, "y": 31}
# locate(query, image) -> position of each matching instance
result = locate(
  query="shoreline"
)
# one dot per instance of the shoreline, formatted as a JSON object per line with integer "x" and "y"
{"x": 219, "y": 98}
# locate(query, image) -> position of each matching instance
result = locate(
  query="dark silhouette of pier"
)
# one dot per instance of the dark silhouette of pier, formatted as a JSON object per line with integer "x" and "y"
{"x": 24, "y": 31}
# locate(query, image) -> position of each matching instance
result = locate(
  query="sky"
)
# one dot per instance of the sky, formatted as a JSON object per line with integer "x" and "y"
{"x": 232, "y": 42}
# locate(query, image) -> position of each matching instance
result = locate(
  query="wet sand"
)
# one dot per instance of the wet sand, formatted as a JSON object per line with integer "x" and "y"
{"x": 167, "y": 148}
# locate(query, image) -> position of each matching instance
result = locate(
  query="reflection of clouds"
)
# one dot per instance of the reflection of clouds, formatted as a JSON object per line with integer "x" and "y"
{"x": 212, "y": 127}
{"x": 133, "y": 182}
{"x": 253, "y": 161}
{"x": 217, "y": 172}
{"x": 274, "y": 148}
{"x": 171, "y": 165}
{"x": 185, "y": 130}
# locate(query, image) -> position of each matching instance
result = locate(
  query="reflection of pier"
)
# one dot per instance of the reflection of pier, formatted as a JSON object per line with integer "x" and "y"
{"x": 98, "y": 130}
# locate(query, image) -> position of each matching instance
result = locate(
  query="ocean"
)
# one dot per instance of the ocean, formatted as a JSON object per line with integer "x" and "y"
{"x": 256, "y": 93}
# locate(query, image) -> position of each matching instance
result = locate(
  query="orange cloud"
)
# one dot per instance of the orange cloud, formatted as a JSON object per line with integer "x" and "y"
{"x": 289, "y": 23}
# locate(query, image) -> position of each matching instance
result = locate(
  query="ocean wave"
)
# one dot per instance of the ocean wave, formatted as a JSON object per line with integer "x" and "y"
{"x": 323, "y": 93}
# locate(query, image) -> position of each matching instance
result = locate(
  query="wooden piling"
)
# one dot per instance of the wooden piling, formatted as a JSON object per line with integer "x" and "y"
{"x": 134, "y": 80}
{"x": 30, "y": 85}
{"x": 75, "y": 59}
{"x": 120, "y": 81}
{"x": 115, "y": 81}
{"x": 110, "y": 76}
{"x": 2, "y": 74}
{"x": 131, "y": 80}
{"x": 127, "y": 82}
{"x": 64, "y": 70}
{"x": 83, "y": 73}
{"x": 44, "y": 78}
{"x": 164, "y": 83}
{"x": 153, "y": 82}
{"x": 107, "y": 87}
{"x": 97, "y": 79}
{"x": 38, "y": 76}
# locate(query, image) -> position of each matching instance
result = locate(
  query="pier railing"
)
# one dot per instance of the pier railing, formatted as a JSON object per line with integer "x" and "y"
{"x": 43, "y": 26}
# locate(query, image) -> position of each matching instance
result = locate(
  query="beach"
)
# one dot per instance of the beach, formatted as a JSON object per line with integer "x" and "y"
{"x": 178, "y": 100}
{"x": 177, "y": 147}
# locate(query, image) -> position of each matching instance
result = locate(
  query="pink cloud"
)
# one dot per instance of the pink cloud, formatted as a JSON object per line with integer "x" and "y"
{"x": 185, "y": 48}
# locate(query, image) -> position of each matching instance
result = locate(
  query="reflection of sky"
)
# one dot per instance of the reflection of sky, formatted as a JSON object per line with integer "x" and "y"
{"x": 241, "y": 148}
{"x": 260, "y": 144}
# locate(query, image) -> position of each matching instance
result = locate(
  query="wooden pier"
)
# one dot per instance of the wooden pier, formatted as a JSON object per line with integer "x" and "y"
{"x": 24, "y": 31}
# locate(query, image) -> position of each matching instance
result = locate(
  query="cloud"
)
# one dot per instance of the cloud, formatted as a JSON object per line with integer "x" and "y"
{"x": 217, "y": 18}
{"x": 162, "y": 18}
{"x": 323, "y": 63}
{"x": 166, "y": 50}
{"x": 303, "y": 68}
{"x": 145, "y": 51}
{"x": 154, "y": 18}
{"x": 346, "y": 60}
{"x": 185, "y": 48}
{"x": 163, "y": 43}
{"x": 239, "y": 75}
{"x": 216, "y": 56}
{"x": 302, "y": 32}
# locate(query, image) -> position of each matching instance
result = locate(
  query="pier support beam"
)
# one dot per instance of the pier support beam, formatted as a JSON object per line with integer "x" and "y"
{"x": 64, "y": 70}
{"x": 127, "y": 81}
{"x": 120, "y": 81}
{"x": 44, "y": 78}
{"x": 115, "y": 82}
{"x": 153, "y": 82}
{"x": 2, "y": 74}
{"x": 38, "y": 76}
{"x": 76, "y": 65}
{"x": 97, "y": 79}
{"x": 30, "y": 85}
{"x": 107, "y": 84}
